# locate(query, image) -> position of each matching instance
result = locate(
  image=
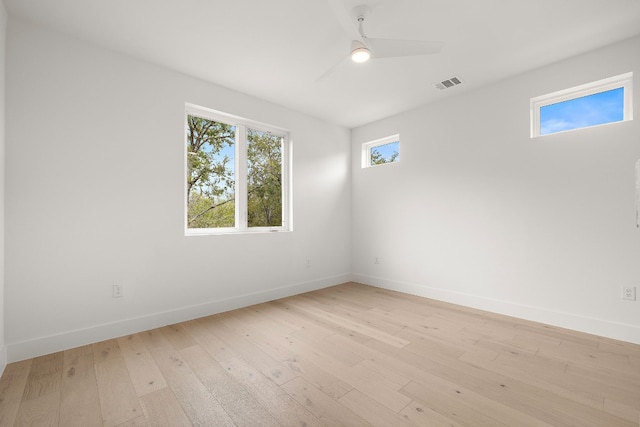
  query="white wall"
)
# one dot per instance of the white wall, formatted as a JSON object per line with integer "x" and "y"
{"x": 3, "y": 28}
{"x": 479, "y": 214}
{"x": 94, "y": 196}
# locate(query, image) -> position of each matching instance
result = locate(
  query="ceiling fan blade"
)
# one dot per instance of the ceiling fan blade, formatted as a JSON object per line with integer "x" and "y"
{"x": 391, "y": 48}
{"x": 333, "y": 68}
{"x": 344, "y": 18}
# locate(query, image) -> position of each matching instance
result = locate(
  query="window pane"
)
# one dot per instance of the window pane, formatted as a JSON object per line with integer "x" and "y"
{"x": 590, "y": 110}
{"x": 210, "y": 173}
{"x": 264, "y": 179}
{"x": 387, "y": 153}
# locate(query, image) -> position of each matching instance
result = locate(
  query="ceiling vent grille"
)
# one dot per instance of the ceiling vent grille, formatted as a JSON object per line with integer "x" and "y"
{"x": 449, "y": 83}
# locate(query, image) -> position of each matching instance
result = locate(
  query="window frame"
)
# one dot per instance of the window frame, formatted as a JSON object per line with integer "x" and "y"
{"x": 624, "y": 81}
{"x": 368, "y": 146}
{"x": 241, "y": 169}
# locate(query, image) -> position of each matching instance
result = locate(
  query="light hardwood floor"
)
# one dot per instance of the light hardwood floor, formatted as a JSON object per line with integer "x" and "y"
{"x": 349, "y": 355}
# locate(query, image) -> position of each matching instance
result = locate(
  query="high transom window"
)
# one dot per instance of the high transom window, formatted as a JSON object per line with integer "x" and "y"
{"x": 597, "y": 103}
{"x": 381, "y": 151}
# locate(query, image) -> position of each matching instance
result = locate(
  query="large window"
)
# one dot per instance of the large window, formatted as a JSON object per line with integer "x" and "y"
{"x": 381, "y": 151}
{"x": 236, "y": 174}
{"x": 592, "y": 104}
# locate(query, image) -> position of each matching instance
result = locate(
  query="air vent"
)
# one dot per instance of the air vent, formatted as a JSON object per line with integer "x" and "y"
{"x": 446, "y": 84}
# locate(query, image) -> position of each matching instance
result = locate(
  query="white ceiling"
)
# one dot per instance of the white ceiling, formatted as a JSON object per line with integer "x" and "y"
{"x": 276, "y": 49}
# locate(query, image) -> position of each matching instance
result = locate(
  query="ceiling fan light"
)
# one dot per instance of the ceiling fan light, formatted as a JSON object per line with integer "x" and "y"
{"x": 360, "y": 54}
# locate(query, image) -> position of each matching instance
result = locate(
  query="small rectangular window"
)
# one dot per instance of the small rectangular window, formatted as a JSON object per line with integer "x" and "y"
{"x": 592, "y": 104}
{"x": 236, "y": 174}
{"x": 381, "y": 151}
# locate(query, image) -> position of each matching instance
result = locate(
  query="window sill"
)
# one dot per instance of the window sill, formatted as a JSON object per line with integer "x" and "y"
{"x": 221, "y": 232}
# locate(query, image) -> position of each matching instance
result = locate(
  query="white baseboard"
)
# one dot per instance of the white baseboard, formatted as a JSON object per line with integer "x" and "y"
{"x": 76, "y": 338}
{"x": 603, "y": 328}
{"x": 3, "y": 359}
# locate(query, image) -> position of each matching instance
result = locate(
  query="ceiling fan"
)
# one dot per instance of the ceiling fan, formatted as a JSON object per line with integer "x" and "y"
{"x": 364, "y": 48}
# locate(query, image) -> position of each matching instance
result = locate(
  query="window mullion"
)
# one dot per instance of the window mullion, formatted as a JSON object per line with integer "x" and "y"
{"x": 241, "y": 179}
{"x": 285, "y": 182}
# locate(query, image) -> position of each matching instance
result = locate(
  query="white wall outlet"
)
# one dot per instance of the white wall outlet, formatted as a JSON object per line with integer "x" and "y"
{"x": 118, "y": 291}
{"x": 629, "y": 293}
{"x": 308, "y": 264}
{"x": 376, "y": 260}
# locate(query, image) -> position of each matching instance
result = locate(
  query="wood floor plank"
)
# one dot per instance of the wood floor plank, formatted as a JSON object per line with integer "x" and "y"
{"x": 217, "y": 348}
{"x": 307, "y": 329}
{"x": 202, "y": 408}
{"x": 233, "y": 396}
{"x": 277, "y": 371}
{"x": 274, "y": 311}
{"x": 377, "y": 320}
{"x": 436, "y": 345}
{"x": 40, "y": 411}
{"x": 420, "y": 415}
{"x": 12, "y": 386}
{"x": 563, "y": 335}
{"x": 614, "y": 365}
{"x": 268, "y": 337}
{"x": 353, "y": 325}
{"x": 624, "y": 410}
{"x": 479, "y": 356}
{"x": 143, "y": 370}
{"x": 372, "y": 297}
{"x": 450, "y": 406}
{"x": 604, "y": 378}
{"x": 267, "y": 341}
{"x": 473, "y": 401}
{"x": 280, "y": 404}
{"x": 327, "y": 410}
{"x": 555, "y": 382}
{"x": 371, "y": 411}
{"x": 374, "y": 386}
{"x": 45, "y": 376}
{"x": 241, "y": 318}
{"x": 339, "y": 348}
{"x": 161, "y": 409}
{"x": 177, "y": 336}
{"x": 80, "y": 403}
{"x": 322, "y": 379}
{"x": 533, "y": 340}
{"x": 104, "y": 351}
{"x": 373, "y": 368}
{"x": 154, "y": 338}
{"x": 322, "y": 324}
{"x": 118, "y": 400}
{"x": 137, "y": 422}
{"x": 548, "y": 374}
{"x": 506, "y": 346}
{"x": 620, "y": 398}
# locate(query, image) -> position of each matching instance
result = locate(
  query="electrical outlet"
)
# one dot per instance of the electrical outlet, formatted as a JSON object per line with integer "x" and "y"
{"x": 118, "y": 291}
{"x": 308, "y": 265}
{"x": 376, "y": 260}
{"x": 629, "y": 293}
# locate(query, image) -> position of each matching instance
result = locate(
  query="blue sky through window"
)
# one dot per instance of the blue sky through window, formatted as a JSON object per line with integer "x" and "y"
{"x": 387, "y": 150}
{"x": 599, "y": 108}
